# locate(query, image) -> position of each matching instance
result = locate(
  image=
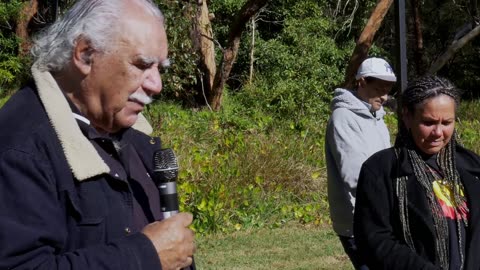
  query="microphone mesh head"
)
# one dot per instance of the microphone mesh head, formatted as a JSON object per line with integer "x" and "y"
{"x": 165, "y": 164}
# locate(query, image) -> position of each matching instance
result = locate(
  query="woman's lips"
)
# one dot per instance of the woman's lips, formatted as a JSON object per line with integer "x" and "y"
{"x": 435, "y": 143}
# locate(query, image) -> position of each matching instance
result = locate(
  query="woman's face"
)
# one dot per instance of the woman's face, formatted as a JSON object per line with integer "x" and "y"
{"x": 432, "y": 123}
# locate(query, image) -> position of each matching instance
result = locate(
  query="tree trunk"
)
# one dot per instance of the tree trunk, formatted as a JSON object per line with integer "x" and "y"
{"x": 365, "y": 41}
{"x": 252, "y": 52}
{"x": 203, "y": 40}
{"x": 29, "y": 9}
{"x": 450, "y": 52}
{"x": 418, "y": 48}
{"x": 249, "y": 9}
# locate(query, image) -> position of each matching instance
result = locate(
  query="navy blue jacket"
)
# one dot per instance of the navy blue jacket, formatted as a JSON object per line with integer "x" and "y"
{"x": 377, "y": 225}
{"x": 59, "y": 206}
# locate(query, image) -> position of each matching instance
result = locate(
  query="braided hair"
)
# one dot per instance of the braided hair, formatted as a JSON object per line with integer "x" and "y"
{"x": 417, "y": 93}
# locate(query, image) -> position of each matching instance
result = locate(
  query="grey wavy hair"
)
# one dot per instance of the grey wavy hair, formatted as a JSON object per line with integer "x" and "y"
{"x": 94, "y": 20}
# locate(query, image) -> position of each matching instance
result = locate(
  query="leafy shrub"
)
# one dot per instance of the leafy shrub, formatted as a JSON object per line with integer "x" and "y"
{"x": 299, "y": 68}
{"x": 237, "y": 176}
{"x": 11, "y": 65}
{"x": 468, "y": 125}
{"x": 182, "y": 75}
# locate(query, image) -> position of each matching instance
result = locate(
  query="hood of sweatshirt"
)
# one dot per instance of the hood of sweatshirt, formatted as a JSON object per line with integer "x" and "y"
{"x": 346, "y": 99}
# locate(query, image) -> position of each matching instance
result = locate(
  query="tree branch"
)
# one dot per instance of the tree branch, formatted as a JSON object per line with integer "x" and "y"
{"x": 249, "y": 9}
{"x": 365, "y": 41}
{"x": 450, "y": 52}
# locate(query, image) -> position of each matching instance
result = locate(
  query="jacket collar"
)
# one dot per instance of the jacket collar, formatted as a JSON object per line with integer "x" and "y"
{"x": 417, "y": 200}
{"x": 83, "y": 159}
{"x": 405, "y": 168}
{"x": 465, "y": 160}
{"x": 467, "y": 167}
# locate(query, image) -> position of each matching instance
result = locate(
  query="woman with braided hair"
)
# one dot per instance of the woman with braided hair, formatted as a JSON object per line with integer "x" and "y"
{"x": 418, "y": 203}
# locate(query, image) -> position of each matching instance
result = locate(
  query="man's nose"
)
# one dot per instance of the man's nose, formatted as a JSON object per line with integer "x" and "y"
{"x": 152, "y": 85}
{"x": 384, "y": 98}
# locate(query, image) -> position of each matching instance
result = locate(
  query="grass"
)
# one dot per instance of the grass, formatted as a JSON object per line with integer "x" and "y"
{"x": 290, "y": 247}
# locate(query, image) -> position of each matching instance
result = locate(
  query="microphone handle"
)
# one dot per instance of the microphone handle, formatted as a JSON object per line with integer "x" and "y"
{"x": 170, "y": 206}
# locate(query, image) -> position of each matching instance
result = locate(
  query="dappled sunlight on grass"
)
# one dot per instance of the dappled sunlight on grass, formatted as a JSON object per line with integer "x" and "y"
{"x": 292, "y": 247}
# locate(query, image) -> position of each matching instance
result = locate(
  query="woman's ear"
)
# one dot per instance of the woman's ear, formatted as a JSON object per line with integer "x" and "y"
{"x": 83, "y": 55}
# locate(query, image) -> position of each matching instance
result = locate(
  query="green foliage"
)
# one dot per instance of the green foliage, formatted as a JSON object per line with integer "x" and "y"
{"x": 11, "y": 65}
{"x": 224, "y": 12}
{"x": 3, "y": 100}
{"x": 238, "y": 173}
{"x": 242, "y": 168}
{"x": 181, "y": 77}
{"x": 298, "y": 69}
{"x": 392, "y": 124}
{"x": 468, "y": 125}
{"x": 8, "y": 11}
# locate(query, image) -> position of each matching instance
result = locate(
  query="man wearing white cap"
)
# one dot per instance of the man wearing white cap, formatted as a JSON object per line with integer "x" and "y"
{"x": 355, "y": 131}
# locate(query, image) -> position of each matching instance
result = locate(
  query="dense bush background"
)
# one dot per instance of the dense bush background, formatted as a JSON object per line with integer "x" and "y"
{"x": 11, "y": 65}
{"x": 259, "y": 162}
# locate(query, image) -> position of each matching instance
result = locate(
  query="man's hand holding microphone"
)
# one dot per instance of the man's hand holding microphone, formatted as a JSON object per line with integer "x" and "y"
{"x": 172, "y": 238}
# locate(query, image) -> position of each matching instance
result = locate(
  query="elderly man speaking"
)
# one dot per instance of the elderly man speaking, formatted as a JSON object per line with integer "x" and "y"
{"x": 75, "y": 157}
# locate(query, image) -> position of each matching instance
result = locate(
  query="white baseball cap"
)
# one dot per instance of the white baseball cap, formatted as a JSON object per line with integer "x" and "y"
{"x": 376, "y": 68}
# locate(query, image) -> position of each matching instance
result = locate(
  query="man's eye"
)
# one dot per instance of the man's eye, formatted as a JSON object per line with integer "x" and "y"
{"x": 143, "y": 66}
{"x": 383, "y": 91}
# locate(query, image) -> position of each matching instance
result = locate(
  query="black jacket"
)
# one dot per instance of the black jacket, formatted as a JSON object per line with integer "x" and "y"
{"x": 60, "y": 206}
{"x": 377, "y": 226}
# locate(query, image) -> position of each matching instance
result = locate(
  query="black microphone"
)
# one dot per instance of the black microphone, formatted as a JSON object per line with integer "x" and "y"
{"x": 165, "y": 168}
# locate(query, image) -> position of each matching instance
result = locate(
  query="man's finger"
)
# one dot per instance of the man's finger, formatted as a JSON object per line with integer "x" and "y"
{"x": 183, "y": 219}
{"x": 188, "y": 262}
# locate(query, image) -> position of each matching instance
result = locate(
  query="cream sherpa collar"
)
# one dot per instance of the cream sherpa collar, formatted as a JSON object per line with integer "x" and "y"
{"x": 82, "y": 157}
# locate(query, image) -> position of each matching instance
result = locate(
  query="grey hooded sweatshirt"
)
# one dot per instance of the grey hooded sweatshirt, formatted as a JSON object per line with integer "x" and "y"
{"x": 353, "y": 135}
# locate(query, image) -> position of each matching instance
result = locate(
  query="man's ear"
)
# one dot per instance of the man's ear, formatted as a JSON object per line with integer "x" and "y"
{"x": 361, "y": 83}
{"x": 83, "y": 55}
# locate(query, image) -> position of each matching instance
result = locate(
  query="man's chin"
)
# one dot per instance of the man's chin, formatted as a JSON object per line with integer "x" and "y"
{"x": 124, "y": 122}
{"x": 130, "y": 120}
